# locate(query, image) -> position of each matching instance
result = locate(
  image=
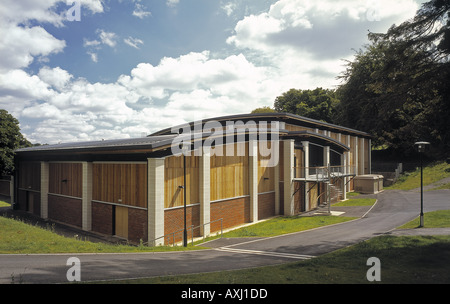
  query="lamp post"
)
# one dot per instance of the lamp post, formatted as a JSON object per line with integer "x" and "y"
{"x": 421, "y": 145}
{"x": 184, "y": 149}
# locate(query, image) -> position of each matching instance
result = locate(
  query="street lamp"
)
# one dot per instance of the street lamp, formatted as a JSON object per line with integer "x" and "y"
{"x": 421, "y": 145}
{"x": 185, "y": 150}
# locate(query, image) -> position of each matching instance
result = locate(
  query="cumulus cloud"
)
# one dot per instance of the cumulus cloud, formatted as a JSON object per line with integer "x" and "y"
{"x": 277, "y": 49}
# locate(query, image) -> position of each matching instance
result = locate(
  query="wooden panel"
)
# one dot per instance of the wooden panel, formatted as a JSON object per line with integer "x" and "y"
{"x": 266, "y": 175}
{"x": 29, "y": 175}
{"x": 65, "y": 179}
{"x": 121, "y": 224}
{"x": 174, "y": 177}
{"x": 120, "y": 183}
{"x": 229, "y": 174}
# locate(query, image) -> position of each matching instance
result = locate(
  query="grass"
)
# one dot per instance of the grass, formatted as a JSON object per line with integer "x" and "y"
{"x": 431, "y": 174}
{"x": 356, "y": 202}
{"x": 17, "y": 237}
{"x": 4, "y": 204}
{"x": 403, "y": 259}
{"x": 284, "y": 225}
{"x": 433, "y": 219}
{"x": 408, "y": 259}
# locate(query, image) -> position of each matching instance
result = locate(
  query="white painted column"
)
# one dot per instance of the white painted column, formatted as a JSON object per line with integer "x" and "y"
{"x": 205, "y": 193}
{"x": 44, "y": 189}
{"x": 326, "y": 163}
{"x": 86, "y": 209}
{"x": 349, "y": 168}
{"x": 288, "y": 157}
{"x": 361, "y": 143}
{"x": 277, "y": 183}
{"x": 305, "y": 145}
{"x": 370, "y": 156}
{"x": 253, "y": 179}
{"x": 344, "y": 171}
{"x": 155, "y": 201}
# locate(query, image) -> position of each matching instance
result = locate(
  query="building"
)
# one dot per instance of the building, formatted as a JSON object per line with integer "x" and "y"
{"x": 232, "y": 170}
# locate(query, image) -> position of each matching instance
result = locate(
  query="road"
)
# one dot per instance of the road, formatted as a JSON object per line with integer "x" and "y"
{"x": 392, "y": 209}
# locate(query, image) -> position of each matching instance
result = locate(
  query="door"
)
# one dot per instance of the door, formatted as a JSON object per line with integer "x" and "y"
{"x": 121, "y": 222}
{"x": 30, "y": 202}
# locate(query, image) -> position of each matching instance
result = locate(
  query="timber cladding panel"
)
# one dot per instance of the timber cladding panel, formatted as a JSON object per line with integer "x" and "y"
{"x": 120, "y": 183}
{"x": 174, "y": 178}
{"x": 29, "y": 176}
{"x": 230, "y": 173}
{"x": 65, "y": 179}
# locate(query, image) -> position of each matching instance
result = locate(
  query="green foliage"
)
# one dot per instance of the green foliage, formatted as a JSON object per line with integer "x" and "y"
{"x": 10, "y": 140}
{"x": 319, "y": 104}
{"x": 263, "y": 110}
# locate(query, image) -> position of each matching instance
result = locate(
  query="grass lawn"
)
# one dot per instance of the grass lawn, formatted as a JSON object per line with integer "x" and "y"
{"x": 356, "y": 202}
{"x": 431, "y": 174}
{"x": 403, "y": 260}
{"x": 4, "y": 204}
{"x": 19, "y": 237}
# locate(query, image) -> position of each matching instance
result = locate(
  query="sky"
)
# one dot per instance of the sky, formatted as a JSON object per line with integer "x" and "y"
{"x": 82, "y": 70}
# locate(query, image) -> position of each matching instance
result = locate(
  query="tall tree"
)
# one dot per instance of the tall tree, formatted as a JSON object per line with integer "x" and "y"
{"x": 397, "y": 87}
{"x": 10, "y": 140}
{"x": 317, "y": 104}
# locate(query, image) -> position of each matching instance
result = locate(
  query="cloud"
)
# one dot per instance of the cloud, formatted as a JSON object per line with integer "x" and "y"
{"x": 172, "y": 3}
{"x": 133, "y": 42}
{"x": 140, "y": 11}
{"x": 104, "y": 38}
{"x": 20, "y": 45}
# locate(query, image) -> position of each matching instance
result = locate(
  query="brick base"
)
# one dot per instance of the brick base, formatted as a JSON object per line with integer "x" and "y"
{"x": 65, "y": 209}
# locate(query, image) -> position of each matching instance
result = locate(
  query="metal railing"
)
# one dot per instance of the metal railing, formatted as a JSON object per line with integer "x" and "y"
{"x": 323, "y": 172}
{"x": 190, "y": 228}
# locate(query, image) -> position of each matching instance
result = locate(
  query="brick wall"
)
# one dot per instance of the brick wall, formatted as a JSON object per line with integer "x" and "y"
{"x": 266, "y": 205}
{"x": 102, "y": 218}
{"x": 234, "y": 212}
{"x": 65, "y": 209}
{"x": 137, "y": 225}
{"x": 174, "y": 221}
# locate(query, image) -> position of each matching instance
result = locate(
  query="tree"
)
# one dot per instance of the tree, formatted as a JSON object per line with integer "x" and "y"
{"x": 319, "y": 104}
{"x": 397, "y": 87}
{"x": 10, "y": 140}
{"x": 263, "y": 110}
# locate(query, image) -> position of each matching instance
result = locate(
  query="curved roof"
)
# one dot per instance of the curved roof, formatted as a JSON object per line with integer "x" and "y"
{"x": 163, "y": 140}
{"x": 285, "y": 117}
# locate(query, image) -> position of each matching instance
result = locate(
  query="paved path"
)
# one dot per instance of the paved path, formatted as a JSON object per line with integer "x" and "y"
{"x": 393, "y": 208}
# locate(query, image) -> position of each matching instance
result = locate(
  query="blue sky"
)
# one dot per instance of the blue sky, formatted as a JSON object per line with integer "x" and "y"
{"x": 132, "y": 67}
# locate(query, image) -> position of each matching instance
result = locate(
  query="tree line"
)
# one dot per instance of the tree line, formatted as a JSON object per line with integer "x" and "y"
{"x": 397, "y": 87}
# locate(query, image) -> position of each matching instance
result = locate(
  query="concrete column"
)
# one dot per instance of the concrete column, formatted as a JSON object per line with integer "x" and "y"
{"x": 253, "y": 179}
{"x": 277, "y": 183}
{"x": 288, "y": 157}
{"x": 344, "y": 171}
{"x": 155, "y": 201}
{"x": 349, "y": 169}
{"x": 356, "y": 156}
{"x": 86, "y": 202}
{"x": 305, "y": 145}
{"x": 205, "y": 195}
{"x": 44, "y": 189}
{"x": 361, "y": 143}
{"x": 370, "y": 156}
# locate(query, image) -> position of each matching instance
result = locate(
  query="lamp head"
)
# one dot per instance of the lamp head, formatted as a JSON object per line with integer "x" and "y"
{"x": 421, "y": 145}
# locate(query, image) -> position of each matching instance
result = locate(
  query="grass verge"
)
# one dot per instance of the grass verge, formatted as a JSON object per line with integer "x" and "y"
{"x": 17, "y": 237}
{"x": 431, "y": 174}
{"x": 404, "y": 260}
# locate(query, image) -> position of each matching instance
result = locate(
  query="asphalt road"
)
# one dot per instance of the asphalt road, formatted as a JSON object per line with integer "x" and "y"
{"x": 392, "y": 209}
